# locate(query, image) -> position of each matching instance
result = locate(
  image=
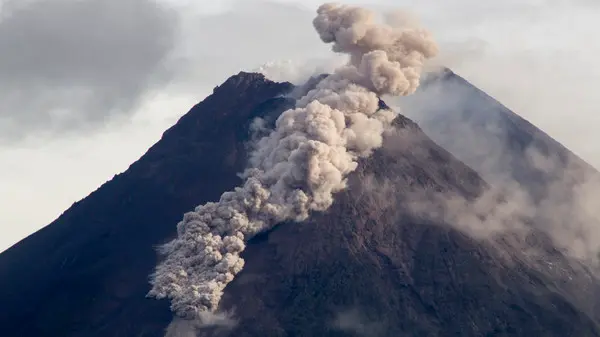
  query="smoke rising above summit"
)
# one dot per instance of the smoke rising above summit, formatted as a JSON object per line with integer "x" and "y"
{"x": 299, "y": 166}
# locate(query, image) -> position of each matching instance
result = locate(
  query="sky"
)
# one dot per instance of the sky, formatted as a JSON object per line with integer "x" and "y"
{"x": 87, "y": 86}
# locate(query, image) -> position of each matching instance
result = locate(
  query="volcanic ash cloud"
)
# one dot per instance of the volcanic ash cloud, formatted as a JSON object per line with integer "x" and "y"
{"x": 298, "y": 166}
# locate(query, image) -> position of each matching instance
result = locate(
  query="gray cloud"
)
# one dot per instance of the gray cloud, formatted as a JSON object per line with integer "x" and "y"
{"x": 71, "y": 65}
{"x": 244, "y": 36}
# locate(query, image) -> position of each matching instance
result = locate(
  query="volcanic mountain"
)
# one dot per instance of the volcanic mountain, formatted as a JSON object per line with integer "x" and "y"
{"x": 496, "y": 142}
{"x": 505, "y": 149}
{"x": 369, "y": 266}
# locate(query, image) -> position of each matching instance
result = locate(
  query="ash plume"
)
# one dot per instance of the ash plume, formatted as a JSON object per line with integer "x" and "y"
{"x": 298, "y": 166}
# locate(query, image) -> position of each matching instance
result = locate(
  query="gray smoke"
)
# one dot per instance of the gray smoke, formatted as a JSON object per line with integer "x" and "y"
{"x": 298, "y": 73}
{"x": 189, "y": 328}
{"x": 531, "y": 187}
{"x": 356, "y": 323}
{"x": 298, "y": 166}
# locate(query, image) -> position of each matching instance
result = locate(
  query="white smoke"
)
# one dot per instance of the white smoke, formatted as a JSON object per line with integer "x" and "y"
{"x": 299, "y": 72}
{"x": 189, "y": 328}
{"x": 300, "y": 164}
{"x": 181, "y": 328}
{"x": 357, "y": 324}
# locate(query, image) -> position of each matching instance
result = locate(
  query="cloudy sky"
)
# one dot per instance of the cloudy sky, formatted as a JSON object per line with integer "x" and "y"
{"x": 86, "y": 86}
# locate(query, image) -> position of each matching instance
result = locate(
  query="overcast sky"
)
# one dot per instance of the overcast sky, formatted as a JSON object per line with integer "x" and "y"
{"x": 86, "y": 86}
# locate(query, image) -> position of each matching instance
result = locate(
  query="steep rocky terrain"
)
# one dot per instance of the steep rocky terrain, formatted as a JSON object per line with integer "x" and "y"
{"x": 368, "y": 266}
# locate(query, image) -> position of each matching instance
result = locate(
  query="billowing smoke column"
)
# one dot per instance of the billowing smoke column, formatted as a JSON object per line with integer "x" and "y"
{"x": 300, "y": 164}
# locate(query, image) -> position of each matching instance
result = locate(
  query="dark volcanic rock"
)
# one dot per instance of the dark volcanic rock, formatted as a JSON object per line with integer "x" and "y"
{"x": 367, "y": 265}
{"x": 86, "y": 274}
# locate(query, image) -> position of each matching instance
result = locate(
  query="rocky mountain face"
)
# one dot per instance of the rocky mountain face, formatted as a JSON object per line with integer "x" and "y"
{"x": 370, "y": 266}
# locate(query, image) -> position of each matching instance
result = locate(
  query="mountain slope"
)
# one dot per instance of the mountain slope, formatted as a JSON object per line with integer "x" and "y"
{"x": 496, "y": 142}
{"x": 393, "y": 273}
{"x": 86, "y": 274}
{"x": 368, "y": 265}
{"x": 509, "y": 151}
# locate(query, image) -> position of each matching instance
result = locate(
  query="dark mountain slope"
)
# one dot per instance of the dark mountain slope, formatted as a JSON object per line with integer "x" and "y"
{"x": 396, "y": 273}
{"x": 86, "y": 273}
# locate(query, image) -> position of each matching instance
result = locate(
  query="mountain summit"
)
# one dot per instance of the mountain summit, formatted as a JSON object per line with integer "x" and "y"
{"x": 265, "y": 212}
{"x": 368, "y": 266}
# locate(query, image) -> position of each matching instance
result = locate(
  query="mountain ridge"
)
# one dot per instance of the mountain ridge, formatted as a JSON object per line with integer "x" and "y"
{"x": 116, "y": 196}
{"x": 498, "y": 129}
{"x": 90, "y": 267}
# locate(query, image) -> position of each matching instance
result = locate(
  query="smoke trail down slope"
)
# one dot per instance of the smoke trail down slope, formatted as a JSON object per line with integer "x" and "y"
{"x": 300, "y": 164}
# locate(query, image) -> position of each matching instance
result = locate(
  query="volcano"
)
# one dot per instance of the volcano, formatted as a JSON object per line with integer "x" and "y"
{"x": 368, "y": 266}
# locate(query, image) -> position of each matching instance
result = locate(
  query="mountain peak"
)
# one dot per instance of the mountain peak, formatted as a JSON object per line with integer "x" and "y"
{"x": 86, "y": 274}
{"x": 243, "y": 81}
